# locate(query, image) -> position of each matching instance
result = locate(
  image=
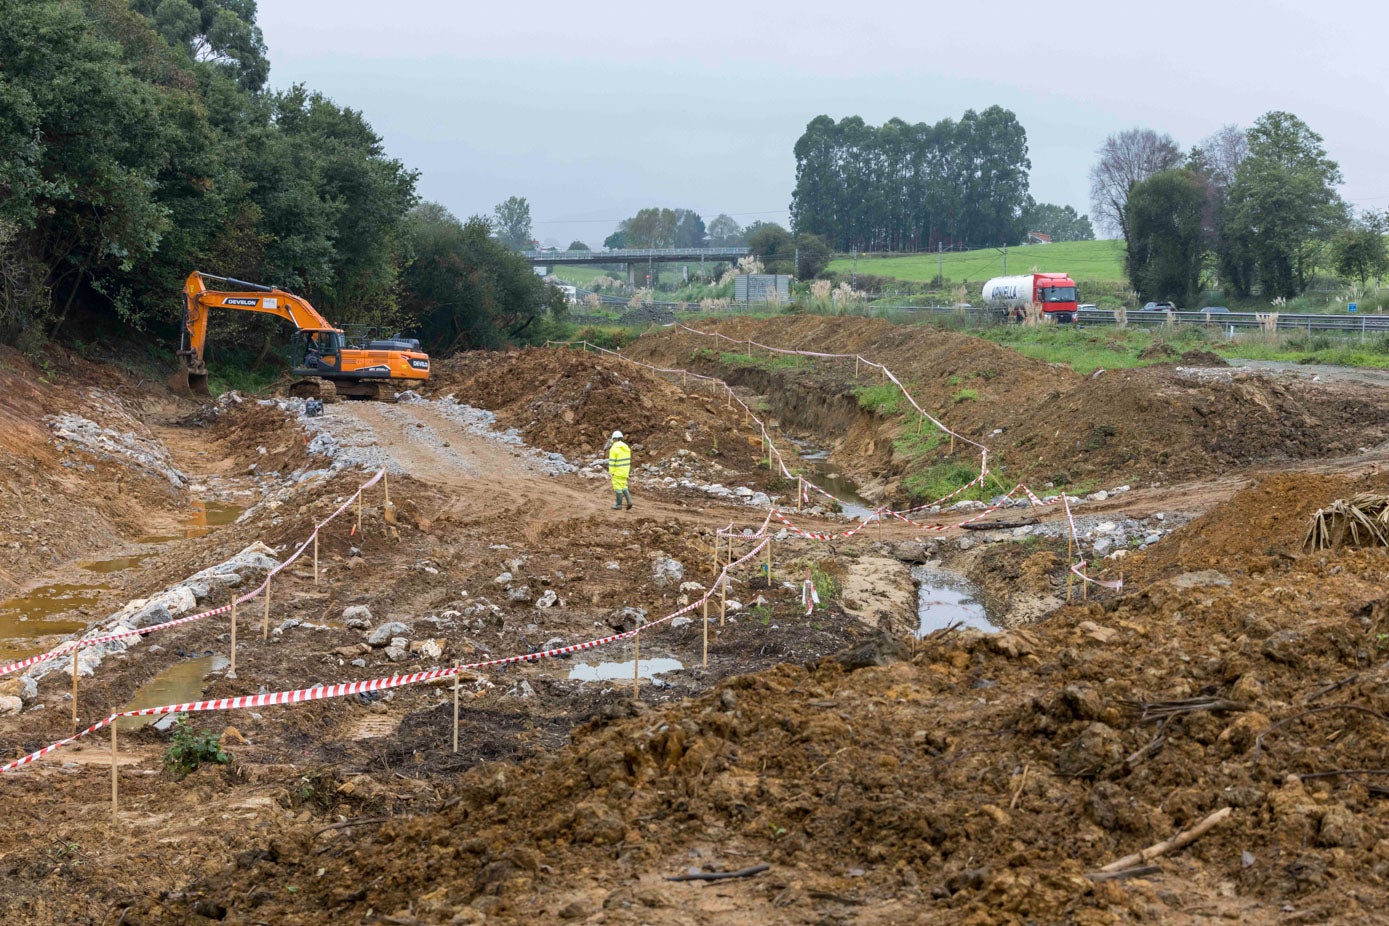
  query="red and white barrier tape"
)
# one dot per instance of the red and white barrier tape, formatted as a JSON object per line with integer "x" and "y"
{"x": 1079, "y": 567}
{"x": 347, "y": 689}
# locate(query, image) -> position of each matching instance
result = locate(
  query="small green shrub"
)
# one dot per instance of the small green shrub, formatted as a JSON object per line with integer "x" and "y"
{"x": 965, "y": 395}
{"x": 191, "y": 748}
{"x": 882, "y": 400}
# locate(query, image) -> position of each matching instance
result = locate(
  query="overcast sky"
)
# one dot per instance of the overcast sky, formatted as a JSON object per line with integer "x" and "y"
{"x": 594, "y": 110}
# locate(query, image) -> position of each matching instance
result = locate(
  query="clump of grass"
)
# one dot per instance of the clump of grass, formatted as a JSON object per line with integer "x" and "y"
{"x": 882, "y": 400}
{"x": 941, "y": 479}
{"x": 965, "y": 395}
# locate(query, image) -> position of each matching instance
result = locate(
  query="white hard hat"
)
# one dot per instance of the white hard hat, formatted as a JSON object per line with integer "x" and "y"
{"x": 617, "y": 435}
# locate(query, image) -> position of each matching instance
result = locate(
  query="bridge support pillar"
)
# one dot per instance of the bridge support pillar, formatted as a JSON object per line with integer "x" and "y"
{"x": 631, "y": 277}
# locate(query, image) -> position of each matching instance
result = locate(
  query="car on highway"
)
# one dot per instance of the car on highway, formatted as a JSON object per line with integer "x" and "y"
{"x": 1159, "y": 307}
{"x": 1216, "y": 309}
{"x": 1084, "y": 306}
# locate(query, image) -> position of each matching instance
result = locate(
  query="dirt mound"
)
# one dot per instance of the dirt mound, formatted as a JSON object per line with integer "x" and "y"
{"x": 570, "y": 401}
{"x": 1264, "y": 521}
{"x": 1041, "y": 422}
{"x": 1158, "y": 350}
{"x": 1203, "y": 358}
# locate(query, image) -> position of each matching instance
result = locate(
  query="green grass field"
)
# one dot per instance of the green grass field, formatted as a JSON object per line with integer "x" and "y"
{"x": 1083, "y": 260}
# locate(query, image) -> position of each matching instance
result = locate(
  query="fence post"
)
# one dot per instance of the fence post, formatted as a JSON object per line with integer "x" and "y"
{"x": 315, "y": 556}
{"x": 74, "y": 687}
{"x": 706, "y": 631}
{"x": 455, "y": 711}
{"x": 231, "y": 671}
{"x": 115, "y": 816}
{"x": 636, "y": 665}
{"x": 265, "y": 620}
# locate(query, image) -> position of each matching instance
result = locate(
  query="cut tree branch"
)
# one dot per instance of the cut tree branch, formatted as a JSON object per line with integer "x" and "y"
{"x": 1179, "y": 841}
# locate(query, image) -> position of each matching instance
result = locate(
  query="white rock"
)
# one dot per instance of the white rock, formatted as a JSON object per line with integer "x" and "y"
{"x": 681, "y": 621}
{"x": 10, "y": 704}
{"x": 666, "y": 571}
{"x": 548, "y": 600}
{"x": 387, "y": 633}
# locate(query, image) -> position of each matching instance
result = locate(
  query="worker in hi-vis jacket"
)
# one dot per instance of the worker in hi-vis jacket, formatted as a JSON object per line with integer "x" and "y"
{"x": 619, "y": 465}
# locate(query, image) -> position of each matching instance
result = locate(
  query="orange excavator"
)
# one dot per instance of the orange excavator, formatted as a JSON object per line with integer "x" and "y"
{"x": 328, "y": 366}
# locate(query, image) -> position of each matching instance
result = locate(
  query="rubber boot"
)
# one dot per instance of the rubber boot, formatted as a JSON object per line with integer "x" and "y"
{"x": 617, "y": 504}
{"x": 628, "y": 496}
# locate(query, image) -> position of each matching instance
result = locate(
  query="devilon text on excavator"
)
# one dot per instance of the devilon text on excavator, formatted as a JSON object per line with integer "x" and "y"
{"x": 328, "y": 366}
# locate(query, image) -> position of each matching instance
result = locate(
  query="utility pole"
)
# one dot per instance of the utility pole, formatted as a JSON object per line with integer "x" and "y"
{"x": 854, "y": 278}
{"x": 940, "y": 262}
{"x": 798, "y": 263}
{"x": 1005, "y": 260}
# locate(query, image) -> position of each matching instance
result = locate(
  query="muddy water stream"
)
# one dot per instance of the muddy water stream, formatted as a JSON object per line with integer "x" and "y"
{"x": 203, "y": 518}
{"x": 827, "y": 477}
{"x": 945, "y": 598}
{"x": 177, "y": 684}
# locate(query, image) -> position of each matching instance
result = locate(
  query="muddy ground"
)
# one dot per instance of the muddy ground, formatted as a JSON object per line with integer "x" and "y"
{"x": 963, "y": 777}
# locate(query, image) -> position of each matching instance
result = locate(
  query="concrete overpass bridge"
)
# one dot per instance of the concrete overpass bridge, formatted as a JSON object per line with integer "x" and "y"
{"x": 631, "y": 258}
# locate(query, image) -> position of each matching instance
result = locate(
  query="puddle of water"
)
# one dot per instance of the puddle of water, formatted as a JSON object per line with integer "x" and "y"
{"x": 175, "y": 685}
{"x": 203, "y": 518}
{"x": 32, "y": 614}
{"x": 944, "y": 598}
{"x": 119, "y": 564}
{"x": 616, "y": 671}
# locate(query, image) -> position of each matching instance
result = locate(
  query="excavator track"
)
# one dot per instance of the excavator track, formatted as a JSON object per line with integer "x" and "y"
{"x": 325, "y": 390}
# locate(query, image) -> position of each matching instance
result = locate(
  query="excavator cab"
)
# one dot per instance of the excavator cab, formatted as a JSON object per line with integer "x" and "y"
{"x": 315, "y": 352}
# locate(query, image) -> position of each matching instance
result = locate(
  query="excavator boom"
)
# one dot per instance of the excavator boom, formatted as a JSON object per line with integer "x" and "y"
{"x": 357, "y": 371}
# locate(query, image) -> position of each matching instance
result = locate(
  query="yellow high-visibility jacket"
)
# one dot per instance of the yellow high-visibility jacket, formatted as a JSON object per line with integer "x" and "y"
{"x": 619, "y": 464}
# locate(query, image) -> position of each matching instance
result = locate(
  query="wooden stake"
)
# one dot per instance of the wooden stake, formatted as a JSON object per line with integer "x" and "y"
{"x": 856, "y": 366}
{"x": 455, "y": 712}
{"x": 359, "y": 512}
{"x": 800, "y": 491}
{"x": 1070, "y": 555}
{"x": 115, "y": 817}
{"x": 231, "y": 672}
{"x": 74, "y": 688}
{"x": 265, "y": 621}
{"x": 706, "y": 631}
{"x": 919, "y": 422}
{"x": 636, "y": 667}
{"x": 386, "y": 487}
{"x": 769, "y": 564}
{"x": 315, "y": 557}
{"x": 952, "y": 444}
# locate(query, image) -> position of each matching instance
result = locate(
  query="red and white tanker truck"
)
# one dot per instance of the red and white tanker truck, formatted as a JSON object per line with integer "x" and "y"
{"x": 1054, "y": 292}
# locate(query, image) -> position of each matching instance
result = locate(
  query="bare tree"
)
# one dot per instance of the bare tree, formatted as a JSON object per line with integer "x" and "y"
{"x": 1220, "y": 153}
{"x": 1127, "y": 158}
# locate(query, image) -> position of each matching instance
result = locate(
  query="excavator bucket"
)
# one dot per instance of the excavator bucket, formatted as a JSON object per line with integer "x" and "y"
{"x": 187, "y": 382}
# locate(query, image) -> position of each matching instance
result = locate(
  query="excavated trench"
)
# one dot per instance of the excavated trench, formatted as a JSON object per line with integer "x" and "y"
{"x": 824, "y": 414}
